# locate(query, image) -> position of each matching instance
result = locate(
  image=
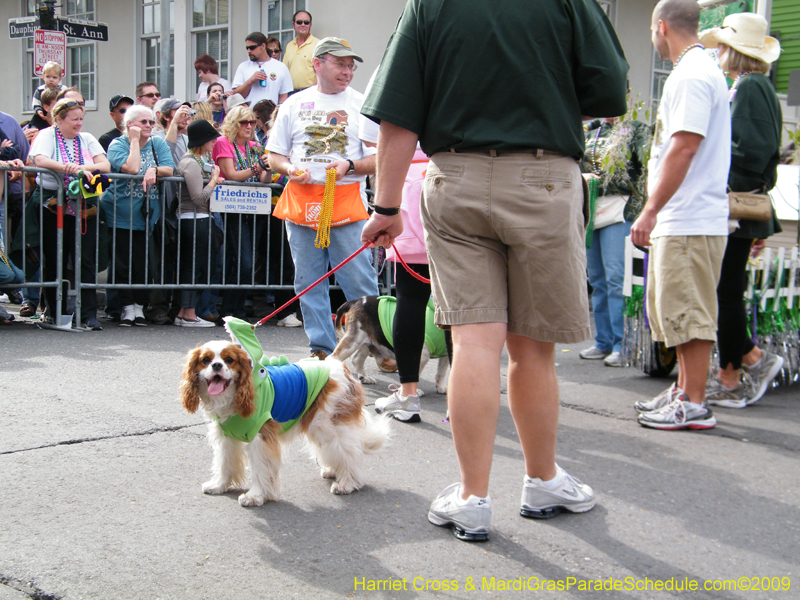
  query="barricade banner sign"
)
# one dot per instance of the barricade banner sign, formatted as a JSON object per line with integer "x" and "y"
{"x": 242, "y": 199}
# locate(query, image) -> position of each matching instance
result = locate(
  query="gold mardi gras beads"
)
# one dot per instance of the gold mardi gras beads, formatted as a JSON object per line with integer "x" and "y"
{"x": 326, "y": 211}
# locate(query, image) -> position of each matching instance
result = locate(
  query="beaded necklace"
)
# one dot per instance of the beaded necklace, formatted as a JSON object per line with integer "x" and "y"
{"x": 247, "y": 161}
{"x": 199, "y": 162}
{"x": 685, "y": 50}
{"x": 63, "y": 152}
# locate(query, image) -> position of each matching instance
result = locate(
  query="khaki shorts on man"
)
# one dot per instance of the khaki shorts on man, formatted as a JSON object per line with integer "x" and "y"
{"x": 682, "y": 277}
{"x": 512, "y": 249}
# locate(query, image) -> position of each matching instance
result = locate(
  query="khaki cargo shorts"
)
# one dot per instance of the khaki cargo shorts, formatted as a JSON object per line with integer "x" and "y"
{"x": 682, "y": 277}
{"x": 505, "y": 239}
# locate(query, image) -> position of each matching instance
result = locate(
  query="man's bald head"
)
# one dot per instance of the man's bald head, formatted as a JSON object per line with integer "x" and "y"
{"x": 681, "y": 15}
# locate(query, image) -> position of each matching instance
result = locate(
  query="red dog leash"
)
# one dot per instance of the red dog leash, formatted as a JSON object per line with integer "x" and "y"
{"x": 332, "y": 271}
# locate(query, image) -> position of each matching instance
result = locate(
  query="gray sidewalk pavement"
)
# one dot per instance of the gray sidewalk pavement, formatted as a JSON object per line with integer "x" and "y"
{"x": 100, "y": 474}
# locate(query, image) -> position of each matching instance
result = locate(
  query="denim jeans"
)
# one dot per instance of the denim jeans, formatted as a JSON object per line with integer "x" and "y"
{"x": 605, "y": 262}
{"x": 357, "y": 277}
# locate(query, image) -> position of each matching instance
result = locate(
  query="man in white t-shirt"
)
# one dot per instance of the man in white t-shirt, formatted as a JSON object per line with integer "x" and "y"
{"x": 261, "y": 77}
{"x": 316, "y": 131}
{"x": 685, "y": 220}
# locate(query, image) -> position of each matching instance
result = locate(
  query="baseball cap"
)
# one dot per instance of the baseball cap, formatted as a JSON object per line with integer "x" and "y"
{"x": 172, "y": 103}
{"x": 336, "y": 47}
{"x": 112, "y": 104}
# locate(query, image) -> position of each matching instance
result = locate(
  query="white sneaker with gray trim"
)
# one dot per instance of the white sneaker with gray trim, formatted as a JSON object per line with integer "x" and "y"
{"x": 402, "y": 408}
{"x": 290, "y": 321}
{"x": 761, "y": 375}
{"x": 660, "y": 401}
{"x": 470, "y": 518}
{"x": 593, "y": 353}
{"x": 541, "y": 502}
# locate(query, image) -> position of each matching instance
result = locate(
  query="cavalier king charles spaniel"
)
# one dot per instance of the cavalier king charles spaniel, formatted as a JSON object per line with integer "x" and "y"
{"x": 223, "y": 380}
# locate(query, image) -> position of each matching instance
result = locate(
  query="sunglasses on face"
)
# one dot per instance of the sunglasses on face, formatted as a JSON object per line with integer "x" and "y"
{"x": 121, "y": 110}
{"x": 250, "y": 123}
{"x": 274, "y": 51}
{"x": 251, "y": 48}
{"x": 151, "y": 95}
{"x": 146, "y": 122}
{"x": 302, "y": 22}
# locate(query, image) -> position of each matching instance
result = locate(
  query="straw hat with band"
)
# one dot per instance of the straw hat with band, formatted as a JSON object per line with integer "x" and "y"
{"x": 745, "y": 33}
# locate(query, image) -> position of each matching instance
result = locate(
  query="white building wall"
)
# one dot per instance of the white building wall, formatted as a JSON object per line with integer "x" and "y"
{"x": 366, "y": 24}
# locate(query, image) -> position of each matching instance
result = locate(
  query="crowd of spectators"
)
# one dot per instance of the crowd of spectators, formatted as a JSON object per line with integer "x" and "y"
{"x": 149, "y": 139}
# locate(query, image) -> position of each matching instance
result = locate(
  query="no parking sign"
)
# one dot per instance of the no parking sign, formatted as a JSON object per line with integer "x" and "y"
{"x": 47, "y": 46}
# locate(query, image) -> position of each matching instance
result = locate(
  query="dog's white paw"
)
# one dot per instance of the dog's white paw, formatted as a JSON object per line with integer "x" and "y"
{"x": 441, "y": 386}
{"x": 251, "y": 499}
{"x": 420, "y": 393}
{"x": 327, "y": 473}
{"x": 343, "y": 487}
{"x": 366, "y": 380}
{"x": 214, "y": 487}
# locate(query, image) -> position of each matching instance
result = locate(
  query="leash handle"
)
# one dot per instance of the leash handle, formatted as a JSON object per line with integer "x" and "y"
{"x": 316, "y": 283}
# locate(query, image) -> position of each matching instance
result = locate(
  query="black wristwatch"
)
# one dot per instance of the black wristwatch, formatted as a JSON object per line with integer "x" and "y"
{"x": 388, "y": 212}
{"x": 352, "y": 169}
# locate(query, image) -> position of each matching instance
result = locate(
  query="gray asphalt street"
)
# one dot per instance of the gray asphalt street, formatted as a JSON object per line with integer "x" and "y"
{"x": 100, "y": 474}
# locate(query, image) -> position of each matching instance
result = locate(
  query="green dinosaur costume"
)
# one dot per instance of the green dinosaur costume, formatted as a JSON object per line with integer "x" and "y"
{"x": 283, "y": 391}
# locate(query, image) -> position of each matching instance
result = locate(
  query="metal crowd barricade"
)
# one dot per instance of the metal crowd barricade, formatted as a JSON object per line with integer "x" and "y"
{"x": 162, "y": 269}
{"x": 32, "y": 207}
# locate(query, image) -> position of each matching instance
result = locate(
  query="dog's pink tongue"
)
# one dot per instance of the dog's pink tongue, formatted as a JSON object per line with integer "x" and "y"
{"x": 216, "y": 386}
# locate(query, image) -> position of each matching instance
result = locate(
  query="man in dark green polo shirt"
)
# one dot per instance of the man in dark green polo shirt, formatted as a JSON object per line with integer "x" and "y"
{"x": 502, "y": 210}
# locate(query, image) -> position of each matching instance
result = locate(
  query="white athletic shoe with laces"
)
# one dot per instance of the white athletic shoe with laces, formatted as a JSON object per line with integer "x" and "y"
{"x": 470, "y": 518}
{"x": 541, "y": 502}
{"x": 402, "y": 408}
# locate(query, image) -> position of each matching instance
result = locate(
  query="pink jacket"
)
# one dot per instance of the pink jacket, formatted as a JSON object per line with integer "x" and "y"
{"x": 411, "y": 243}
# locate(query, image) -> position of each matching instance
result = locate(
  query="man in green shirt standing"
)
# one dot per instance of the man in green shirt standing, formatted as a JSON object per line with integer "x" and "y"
{"x": 502, "y": 210}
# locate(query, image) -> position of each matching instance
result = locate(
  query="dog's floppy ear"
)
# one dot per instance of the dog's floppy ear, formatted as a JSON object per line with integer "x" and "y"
{"x": 188, "y": 388}
{"x": 245, "y": 392}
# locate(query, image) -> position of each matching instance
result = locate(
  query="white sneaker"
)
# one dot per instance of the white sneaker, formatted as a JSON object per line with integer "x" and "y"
{"x": 593, "y": 353}
{"x": 127, "y": 317}
{"x": 402, "y": 408}
{"x": 138, "y": 315}
{"x": 290, "y": 321}
{"x": 198, "y": 322}
{"x": 470, "y": 518}
{"x": 542, "y": 502}
{"x": 660, "y": 401}
{"x": 613, "y": 360}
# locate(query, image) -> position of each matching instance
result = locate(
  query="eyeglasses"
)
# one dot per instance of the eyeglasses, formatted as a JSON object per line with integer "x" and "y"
{"x": 146, "y": 122}
{"x": 250, "y": 123}
{"x": 302, "y": 22}
{"x": 274, "y": 51}
{"x": 151, "y": 95}
{"x": 251, "y": 48}
{"x": 340, "y": 65}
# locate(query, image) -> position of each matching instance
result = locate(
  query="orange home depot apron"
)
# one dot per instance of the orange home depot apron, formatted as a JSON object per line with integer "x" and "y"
{"x": 301, "y": 204}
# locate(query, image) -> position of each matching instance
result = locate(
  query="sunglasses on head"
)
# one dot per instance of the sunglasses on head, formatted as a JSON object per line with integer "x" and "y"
{"x": 69, "y": 106}
{"x": 251, "y": 48}
{"x": 247, "y": 122}
{"x": 151, "y": 95}
{"x": 302, "y": 22}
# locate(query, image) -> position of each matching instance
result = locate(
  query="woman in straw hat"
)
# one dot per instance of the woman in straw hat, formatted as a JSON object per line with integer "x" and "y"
{"x": 745, "y": 54}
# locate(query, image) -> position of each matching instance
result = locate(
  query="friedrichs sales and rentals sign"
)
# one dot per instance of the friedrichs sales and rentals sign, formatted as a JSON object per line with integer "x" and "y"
{"x": 242, "y": 199}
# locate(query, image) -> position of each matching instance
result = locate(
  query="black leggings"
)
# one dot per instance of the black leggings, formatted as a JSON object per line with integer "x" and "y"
{"x": 408, "y": 329}
{"x": 732, "y": 339}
